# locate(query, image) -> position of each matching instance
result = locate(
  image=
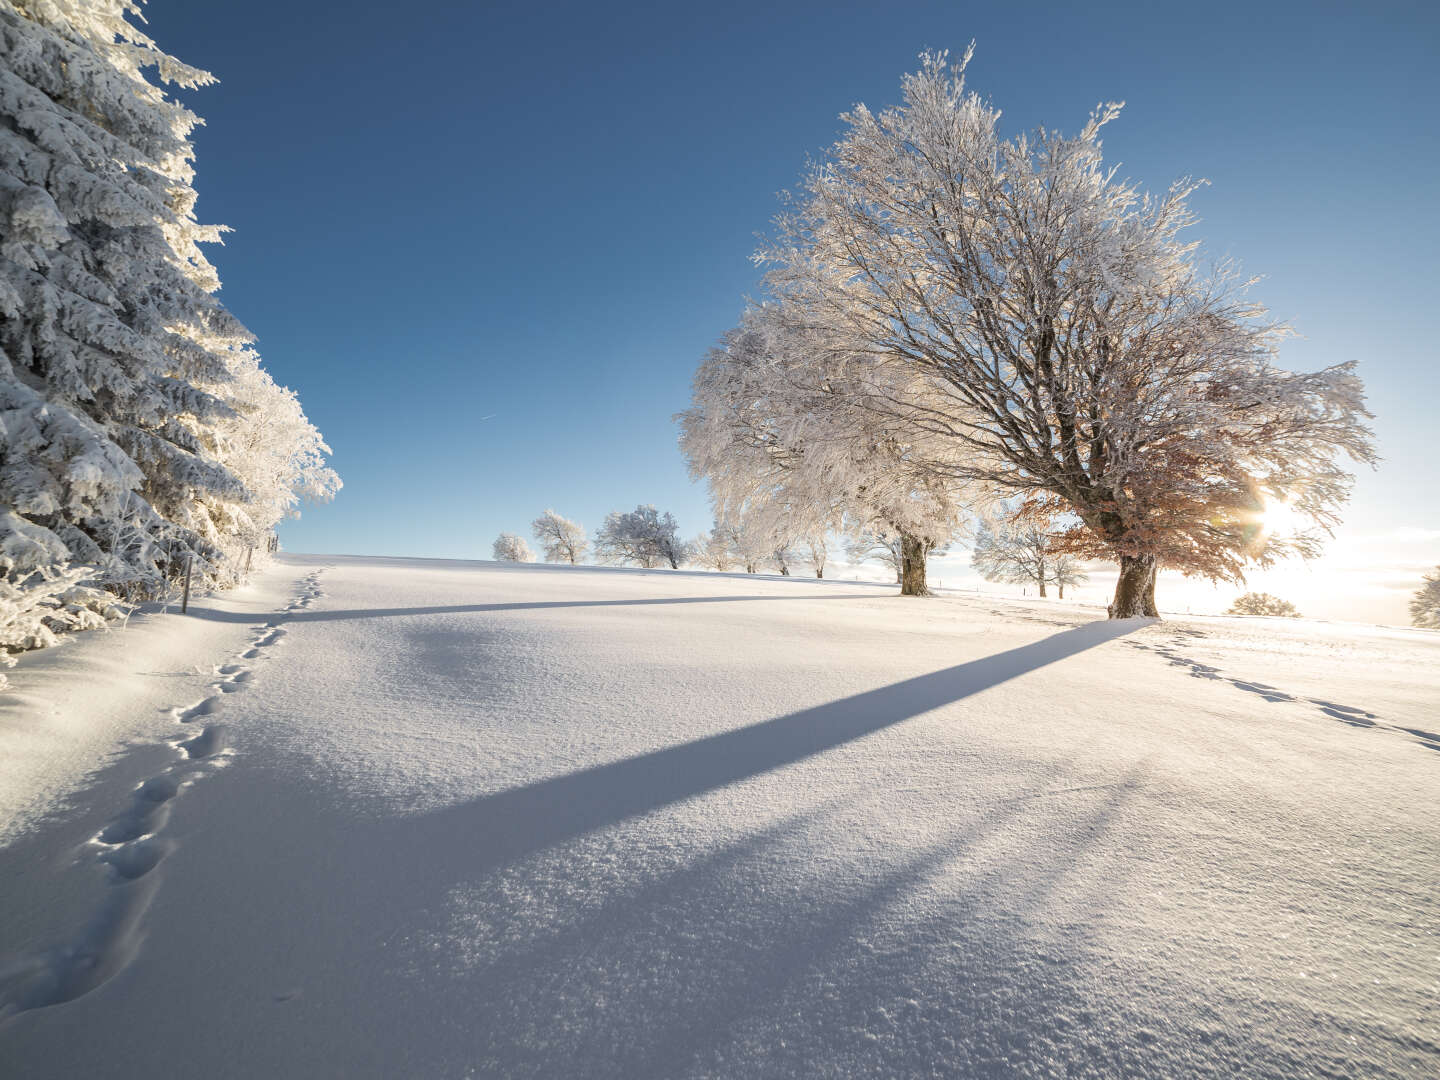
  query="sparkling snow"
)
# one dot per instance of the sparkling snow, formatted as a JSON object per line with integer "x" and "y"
{"x": 433, "y": 819}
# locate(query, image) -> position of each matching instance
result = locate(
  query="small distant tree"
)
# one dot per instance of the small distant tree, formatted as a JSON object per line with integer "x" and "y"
{"x": 562, "y": 539}
{"x": 512, "y": 548}
{"x": 1259, "y": 603}
{"x": 1024, "y": 554}
{"x": 878, "y": 547}
{"x": 644, "y": 537}
{"x": 1067, "y": 572}
{"x": 817, "y": 552}
{"x": 1425, "y": 605}
{"x": 748, "y": 543}
{"x": 1016, "y": 555}
{"x": 712, "y": 549}
{"x": 781, "y": 557}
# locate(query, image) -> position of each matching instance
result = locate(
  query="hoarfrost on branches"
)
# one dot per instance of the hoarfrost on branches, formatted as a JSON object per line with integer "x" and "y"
{"x": 511, "y": 548}
{"x": 775, "y": 430}
{"x": 875, "y": 547}
{"x": 561, "y": 539}
{"x": 137, "y": 429}
{"x": 1013, "y": 299}
{"x": 1023, "y": 553}
{"x": 644, "y": 536}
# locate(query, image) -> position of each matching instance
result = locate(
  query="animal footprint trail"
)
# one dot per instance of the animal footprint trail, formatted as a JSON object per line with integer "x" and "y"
{"x": 1345, "y": 714}
{"x": 132, "y": 847}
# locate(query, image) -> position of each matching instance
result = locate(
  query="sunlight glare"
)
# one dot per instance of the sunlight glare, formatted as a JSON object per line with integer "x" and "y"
{"x": 1279, "y": 518}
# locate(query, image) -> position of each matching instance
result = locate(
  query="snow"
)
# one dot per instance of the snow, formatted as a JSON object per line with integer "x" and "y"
{"x": 478, "y": 819}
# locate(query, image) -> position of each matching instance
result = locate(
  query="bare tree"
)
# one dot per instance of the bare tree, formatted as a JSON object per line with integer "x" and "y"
{"x": 644, "y": 536}
{"x": 562, "y": 539}
{"x": 1014, "y": 299}
{"x": 511, "y": 548}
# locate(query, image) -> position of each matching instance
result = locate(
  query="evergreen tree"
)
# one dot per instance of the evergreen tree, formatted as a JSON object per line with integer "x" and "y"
{"x": 137, "y": 429}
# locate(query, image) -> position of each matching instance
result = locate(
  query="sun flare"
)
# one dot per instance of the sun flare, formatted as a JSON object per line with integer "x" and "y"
{"x": 1279, "y": 518}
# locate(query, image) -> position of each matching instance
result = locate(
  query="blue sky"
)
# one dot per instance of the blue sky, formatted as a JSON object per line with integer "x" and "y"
{"x": 542, "y": 214}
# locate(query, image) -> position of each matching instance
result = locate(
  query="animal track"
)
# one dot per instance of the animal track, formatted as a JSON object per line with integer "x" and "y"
{"x": 132, "y": 849}
{"x": 1345, "y": 714}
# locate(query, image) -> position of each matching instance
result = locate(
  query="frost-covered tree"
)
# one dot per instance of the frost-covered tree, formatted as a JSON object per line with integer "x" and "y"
{"x": 562, "y": 539}
{"x": 1014, "y": 298}
{"x": 748, "y": 542}
{"x": 781, "y": 557}
{"x": 1066, "y": 571}
{"x": 511, "y": 548}
{"x": 1020, "y": 553}
{"x": 1425, "y": 604}
{"x": 875, "y": 547}
{"x": 713, "y": 549}
{"x": 1259, "y": 603}
{"x": 816, "y": 553}
{"x": 644, "y": 536}
{"x": 774, "y": 431}
{"x": 137, "y": 430}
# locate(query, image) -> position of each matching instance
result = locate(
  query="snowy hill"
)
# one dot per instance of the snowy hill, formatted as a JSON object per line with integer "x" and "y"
{"x": 379, "y": 817}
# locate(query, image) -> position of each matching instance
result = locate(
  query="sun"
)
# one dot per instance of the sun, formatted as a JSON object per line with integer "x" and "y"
{"x": 1279, "y": 518}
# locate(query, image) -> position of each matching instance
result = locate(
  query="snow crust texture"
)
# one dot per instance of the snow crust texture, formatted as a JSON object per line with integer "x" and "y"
{"x": 519, "y": 820}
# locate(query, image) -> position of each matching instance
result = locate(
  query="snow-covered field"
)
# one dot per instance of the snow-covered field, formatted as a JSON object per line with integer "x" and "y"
{"x": 439, "y": 819}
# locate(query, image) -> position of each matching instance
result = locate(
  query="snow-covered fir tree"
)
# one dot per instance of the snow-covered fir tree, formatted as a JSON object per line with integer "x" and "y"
{"x": 561, "y": 539}
{"x": 1014, "y": 300}
{"x": 137, "y": 429}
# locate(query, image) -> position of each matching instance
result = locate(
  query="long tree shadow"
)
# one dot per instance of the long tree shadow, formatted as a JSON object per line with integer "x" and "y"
{"x": 214, "y": 615}
{"x": 500, "y": 828}
{"x": 752, "y": 957}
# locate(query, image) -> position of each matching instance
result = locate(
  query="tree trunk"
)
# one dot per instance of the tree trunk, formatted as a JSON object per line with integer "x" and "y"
{"x": 1041, "y": 577}
{"x": 912, "y": 569}
{"x": 820, "y": 573}
{"x": 1062, "y": 592}
{"x": 1135, "y": 590}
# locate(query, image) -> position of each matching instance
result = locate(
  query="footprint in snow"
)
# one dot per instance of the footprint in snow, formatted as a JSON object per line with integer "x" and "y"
{"x": 196, "y": 711}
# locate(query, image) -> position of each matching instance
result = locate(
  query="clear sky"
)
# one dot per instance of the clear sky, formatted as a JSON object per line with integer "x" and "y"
{"x": 488, "y": 243}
